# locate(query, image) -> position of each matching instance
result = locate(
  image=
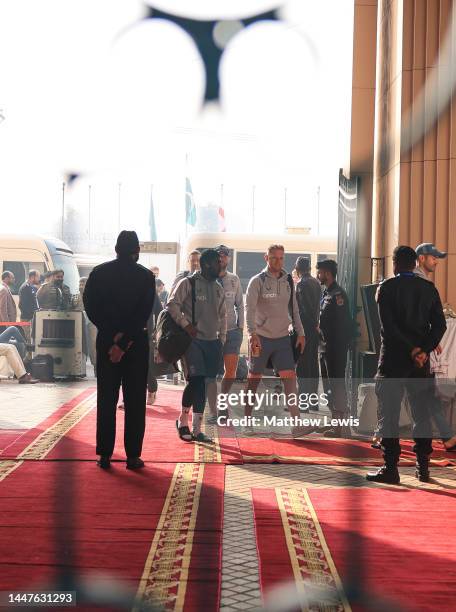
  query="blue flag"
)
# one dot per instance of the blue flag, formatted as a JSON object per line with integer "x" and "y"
{"x": 153, "y": 228}
{"x": 190, "y": 208}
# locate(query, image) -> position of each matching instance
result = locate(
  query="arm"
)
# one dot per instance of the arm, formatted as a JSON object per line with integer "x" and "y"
{"x": 222, "y": 318}
{"x": 239, "y": 305}
{"x": 252, "y": 296}
{"x": 297, "y": 324}
{"x": 438, "y": 325}
{"x": 144, "y": 307}
{"x": 390, "y": 329}
{"x": 175, "y": 304}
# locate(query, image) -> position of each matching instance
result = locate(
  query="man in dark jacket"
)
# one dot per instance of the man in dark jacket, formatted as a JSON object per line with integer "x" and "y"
{"x": 118, "y": 299}
{"x": 27, "y": 299}
{"x": 336, "y": 333}
{"x": 412, "y": 325}
{"x": 308, "y": 295}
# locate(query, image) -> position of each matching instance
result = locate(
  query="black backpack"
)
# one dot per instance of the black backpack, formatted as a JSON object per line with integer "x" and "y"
{"x": 171, "y": 339}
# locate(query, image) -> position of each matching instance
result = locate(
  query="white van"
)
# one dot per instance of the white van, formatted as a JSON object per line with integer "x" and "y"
{"x": 21, "y": 253}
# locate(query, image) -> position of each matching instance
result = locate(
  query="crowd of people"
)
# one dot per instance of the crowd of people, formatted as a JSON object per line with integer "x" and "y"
{"x": 298, "y": 326}
{"x": 46, "y": 291}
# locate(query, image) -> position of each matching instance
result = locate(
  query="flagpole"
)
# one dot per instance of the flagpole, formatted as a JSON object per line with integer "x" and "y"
{"x": 119, "y": 186}
{"x": 285, "y": 210}
{"x": 90, "y": 206}
{"x": 253, "y": 209}
{"x": 63, "y": 207}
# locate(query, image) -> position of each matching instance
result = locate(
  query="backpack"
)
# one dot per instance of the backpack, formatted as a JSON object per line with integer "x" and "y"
{"x": 171, "y": 339}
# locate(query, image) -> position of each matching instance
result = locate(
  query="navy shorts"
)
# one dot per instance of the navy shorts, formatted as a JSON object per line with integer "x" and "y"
{"x": 202, "y": 358}
{"x": 233, "y": 342}
{"x": 280, "y": 352}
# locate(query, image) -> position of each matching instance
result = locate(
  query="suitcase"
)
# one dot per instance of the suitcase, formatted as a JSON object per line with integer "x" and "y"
{"x": 43, "y": 368}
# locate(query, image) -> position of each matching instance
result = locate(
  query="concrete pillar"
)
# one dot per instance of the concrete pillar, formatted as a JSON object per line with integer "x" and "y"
{"x": 414, "y": 189}
{"x": 360, "y": 161}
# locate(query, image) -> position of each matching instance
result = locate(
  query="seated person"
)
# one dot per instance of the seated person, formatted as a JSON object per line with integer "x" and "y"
{"x": 12, "y": 335}
{"x": 15, "y": 363}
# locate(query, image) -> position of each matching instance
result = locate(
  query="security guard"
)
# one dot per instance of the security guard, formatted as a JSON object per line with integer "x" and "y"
{"x": 118, "y": 299}
{"x": 335, "y": 332}
{"x": 412, "y": 325}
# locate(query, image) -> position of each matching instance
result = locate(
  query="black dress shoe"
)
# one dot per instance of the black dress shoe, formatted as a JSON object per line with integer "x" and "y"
{"x": 384, "y": 474}
{"x": 422, "y": 473}
{"x": 104, "y": 462}
{"x": 135, "y": 463}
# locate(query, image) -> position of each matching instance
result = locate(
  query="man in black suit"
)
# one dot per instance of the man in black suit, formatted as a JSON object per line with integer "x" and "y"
{"x": 412, "y": 325}
{"x": 118, "y": 299}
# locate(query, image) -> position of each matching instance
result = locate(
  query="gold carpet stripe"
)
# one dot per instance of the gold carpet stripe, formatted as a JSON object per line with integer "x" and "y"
{"x": 45, "y": 442}
{"x": 7, "y": 467}
{"x": 164, "y": 579}
{"x": 310, "y": 557}
{"x": 208, "y": 453}
{"x": 321, "y": 460}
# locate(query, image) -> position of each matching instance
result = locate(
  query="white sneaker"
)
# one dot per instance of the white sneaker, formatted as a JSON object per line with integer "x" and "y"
{"x": 151, "y": 397}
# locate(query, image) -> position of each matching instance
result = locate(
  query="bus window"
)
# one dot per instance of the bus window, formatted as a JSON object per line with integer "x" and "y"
{"x": 71, "y": 275}
{"x": 20, "y": 270}
{"x": 249, "y": 264}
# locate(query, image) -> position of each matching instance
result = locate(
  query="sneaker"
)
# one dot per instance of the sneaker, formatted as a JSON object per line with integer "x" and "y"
{"x": 212, "y": 419}
{"x": 201, "y": 437}
{"x": 151, "y": 397}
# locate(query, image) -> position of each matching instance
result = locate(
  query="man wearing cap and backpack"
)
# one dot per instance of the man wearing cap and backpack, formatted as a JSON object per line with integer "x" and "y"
{"x": 234, "y": 301}
{"x": 197, "y": 305}
{"x": 118, "y": 299}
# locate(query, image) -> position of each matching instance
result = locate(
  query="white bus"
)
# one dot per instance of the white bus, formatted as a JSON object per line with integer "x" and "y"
{"x": 247, "y": 250}
{"x": 21, "y": 253}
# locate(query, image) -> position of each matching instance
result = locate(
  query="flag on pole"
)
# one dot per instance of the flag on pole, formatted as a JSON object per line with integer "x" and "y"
{"x": 152, "y": 226}
{"x": 190, "y": 208}
{"x": 221, "y": 214}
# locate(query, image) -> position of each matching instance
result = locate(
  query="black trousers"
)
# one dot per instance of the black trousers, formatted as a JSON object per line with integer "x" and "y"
{"x": 420, "y": 389}
{"x": 307, "y": 370}
{"x": 131, "y": 373}
{"x": 333, "y": 363}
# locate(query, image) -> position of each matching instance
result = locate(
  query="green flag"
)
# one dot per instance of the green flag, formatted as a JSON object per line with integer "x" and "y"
{"x": 190, "y": 208}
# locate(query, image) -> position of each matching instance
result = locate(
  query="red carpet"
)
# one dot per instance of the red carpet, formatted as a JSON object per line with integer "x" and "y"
{"x": 161, "y": 443}
{"x": 405, "y": 539}
{"x": 324, "y": 451}
{"x": 53, "y": 427}
{"x": 9, "y": 436}
{"x": 162, "y": 525}
{"x": 70, "y": 434}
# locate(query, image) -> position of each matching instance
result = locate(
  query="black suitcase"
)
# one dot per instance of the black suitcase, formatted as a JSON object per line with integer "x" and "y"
{"x": 43, "y": 368}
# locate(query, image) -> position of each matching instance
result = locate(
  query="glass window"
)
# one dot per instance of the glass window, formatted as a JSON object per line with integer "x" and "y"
{"x": 323, "y": 256}
{"x": 18, "y": 269}
{"x": 71, "y": 275}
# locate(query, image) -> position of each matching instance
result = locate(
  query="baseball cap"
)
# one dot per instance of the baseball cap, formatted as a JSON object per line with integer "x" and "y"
{"x": 223, "y": 250}
{"x": 427, "y": 248}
